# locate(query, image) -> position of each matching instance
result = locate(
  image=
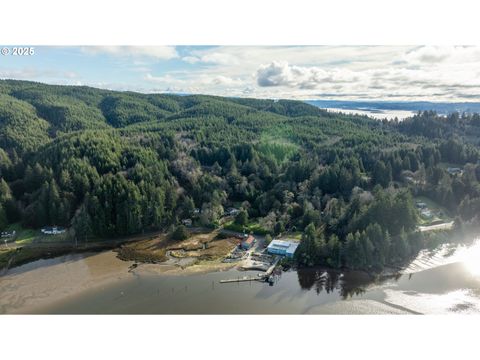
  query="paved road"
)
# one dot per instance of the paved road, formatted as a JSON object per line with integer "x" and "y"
{"x": 237, "y": 233}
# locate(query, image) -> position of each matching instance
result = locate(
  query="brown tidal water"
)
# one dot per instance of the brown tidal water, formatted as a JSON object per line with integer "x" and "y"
{"x": 451, "y": 286}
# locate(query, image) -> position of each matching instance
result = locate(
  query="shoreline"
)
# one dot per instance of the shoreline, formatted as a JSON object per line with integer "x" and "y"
{"x": 175, "y": 270}
{"x": 157, "y": 267}
{"x": 163, "y": 267}
{"x": 36, "y": 285}
{"x": 31, "y": 287}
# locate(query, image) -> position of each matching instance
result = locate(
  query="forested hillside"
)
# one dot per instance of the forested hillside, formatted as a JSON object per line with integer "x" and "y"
{"x": 109, "y": 164}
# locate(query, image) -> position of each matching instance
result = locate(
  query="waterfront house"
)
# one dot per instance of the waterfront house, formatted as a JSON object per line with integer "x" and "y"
{"x": 8, "y": 234}
{"x": 283, "y": 247}
{"x": 52, "y": 230}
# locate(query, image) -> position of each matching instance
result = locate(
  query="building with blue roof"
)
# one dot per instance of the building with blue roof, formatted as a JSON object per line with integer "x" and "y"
{"x": 283, "y": 247}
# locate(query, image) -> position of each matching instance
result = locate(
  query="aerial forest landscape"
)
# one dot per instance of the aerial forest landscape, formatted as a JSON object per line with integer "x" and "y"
{"x": 254, "y": 180}
{"x": 246, "y": 197}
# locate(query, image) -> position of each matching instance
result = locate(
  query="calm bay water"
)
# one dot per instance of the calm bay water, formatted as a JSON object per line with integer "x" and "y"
{"x": 376, "y": 114}
{"x": 435, "y": 284}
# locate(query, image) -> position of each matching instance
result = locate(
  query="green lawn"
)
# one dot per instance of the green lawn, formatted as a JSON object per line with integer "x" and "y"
{"x": 23, "y": 235}
{"x": 26, "y": 236}
{"x": 60, "y": 238}
{"x": 278, "y": 147}
{"x": 253, "y": 227}
{"x": 297, "y": 235}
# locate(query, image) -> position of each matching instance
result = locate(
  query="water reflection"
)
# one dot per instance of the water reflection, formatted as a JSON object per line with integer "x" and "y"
{"x": 349, "y": 284}
{"x": 438, "y": 282}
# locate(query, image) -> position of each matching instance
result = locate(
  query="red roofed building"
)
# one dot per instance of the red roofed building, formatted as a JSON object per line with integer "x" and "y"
{"x": 248, "y": 242}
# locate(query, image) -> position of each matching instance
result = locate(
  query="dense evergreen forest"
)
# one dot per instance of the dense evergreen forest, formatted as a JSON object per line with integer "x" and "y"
{"x": 108, "y": 164}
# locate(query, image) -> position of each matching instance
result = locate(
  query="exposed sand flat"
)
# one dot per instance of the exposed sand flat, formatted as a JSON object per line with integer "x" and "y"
{"x": 168, "y": 269}
{"x": 42, "y": 282}
{"x": 45, "y": 281}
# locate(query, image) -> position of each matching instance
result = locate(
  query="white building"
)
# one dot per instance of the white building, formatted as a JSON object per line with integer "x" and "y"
{"x": 283, "y": 247}
{"x": 187, "y": 222}
{"x": 52, "y": 230}
{"x": 232, "y": 211}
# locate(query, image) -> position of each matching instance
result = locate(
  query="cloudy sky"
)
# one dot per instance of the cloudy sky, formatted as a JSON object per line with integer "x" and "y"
{"x": 295, "y": 72}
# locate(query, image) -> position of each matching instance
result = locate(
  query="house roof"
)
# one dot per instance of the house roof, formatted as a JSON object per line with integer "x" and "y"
{"x": 289, "y": 246}
{"x": 249, "y": 240}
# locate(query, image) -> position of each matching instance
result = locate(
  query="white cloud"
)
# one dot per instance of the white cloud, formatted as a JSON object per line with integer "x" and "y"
{"x": 191, "y": 59}
{"x": 243, "y": 59}
{"x": 156, "y": 52}
{"x": 35, "y": 73}
{"x": 428, "y": 54}
{"x": 443, "y": 54}
{"x": 446, "y": 80}
{"x": 225, "y": 80}
{"x": 435, "y": 73}
{"x": 219, "y": 58}
{"x": 196, "y": 83}
{"x": 215, "y": 58}
{"x": 281, "y": 73}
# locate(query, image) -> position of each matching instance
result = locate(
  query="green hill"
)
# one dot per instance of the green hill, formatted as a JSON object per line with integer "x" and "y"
{"x": 108, "y": 164}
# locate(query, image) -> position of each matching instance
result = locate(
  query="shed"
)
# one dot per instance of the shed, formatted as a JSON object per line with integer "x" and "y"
{"x": 187, "y": 222}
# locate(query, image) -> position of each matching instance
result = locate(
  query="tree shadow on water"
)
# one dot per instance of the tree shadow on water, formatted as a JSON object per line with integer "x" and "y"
{"x": 346, "y": 284}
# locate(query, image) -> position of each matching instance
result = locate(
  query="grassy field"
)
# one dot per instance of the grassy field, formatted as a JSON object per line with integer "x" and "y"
{"x": 252, "y": 227}
{"x": 277, "y": 147}
{"x": 53, "y": 239}
{"x": 24, "y": 255}
{"x": 200, "y": 245}
{"x": 150, "y": 250}
{"x": 23, "y": 235}
{"x": 204, "y": 246}
{"x": 297, "y": 235}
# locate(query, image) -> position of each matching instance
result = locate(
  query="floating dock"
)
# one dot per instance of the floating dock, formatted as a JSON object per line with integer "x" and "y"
{"x": 266, "y": 276}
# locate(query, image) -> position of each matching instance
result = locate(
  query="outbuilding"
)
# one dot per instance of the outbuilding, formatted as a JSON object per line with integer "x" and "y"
{"x": 187, "y": 222}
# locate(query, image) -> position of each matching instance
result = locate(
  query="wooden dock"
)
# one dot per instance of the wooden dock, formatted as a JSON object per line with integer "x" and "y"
{"x": 240, "y": 279}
